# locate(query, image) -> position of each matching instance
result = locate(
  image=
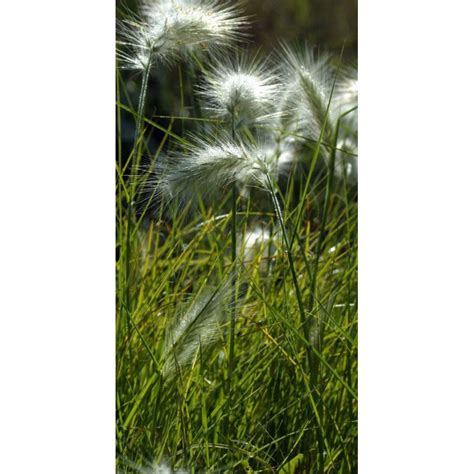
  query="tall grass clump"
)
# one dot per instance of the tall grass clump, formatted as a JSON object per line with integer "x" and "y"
{"x": 236, "y": 250}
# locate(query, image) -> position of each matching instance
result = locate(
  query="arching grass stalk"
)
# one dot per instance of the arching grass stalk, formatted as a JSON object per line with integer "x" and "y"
{"x": 234, "y": 286}
{"x": 322, "y": 236}
{"x": 327, "y": 197}
{"x": 304, "y": 320}
{"x": 135, "y": 165}
{"x": 142, "y": 97}
{"x": 294, "y": 276}
{"x": 139, "y": 132}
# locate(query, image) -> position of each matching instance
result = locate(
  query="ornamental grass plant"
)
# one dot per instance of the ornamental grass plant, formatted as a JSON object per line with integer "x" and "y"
{"x": 236, "y": 248}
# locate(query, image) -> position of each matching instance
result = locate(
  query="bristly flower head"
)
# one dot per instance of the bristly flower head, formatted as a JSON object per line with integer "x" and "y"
{"x": 208, "y": 167}
{"x": 346, "y": 97}
{"x": 319, "y": 95}
{"x": 195, "y": 328}
{"x": 309, "y": 84}
{"x": 161, "y": 468}
{"x": 241, "y": 92}
{"x": 167, "y": 29}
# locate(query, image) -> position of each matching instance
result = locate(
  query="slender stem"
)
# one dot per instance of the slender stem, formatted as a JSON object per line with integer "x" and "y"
{"x": 234, "y": 280}
{"x": 234, "y": 293}
{"x": 327, "y": 196}
{"x": 305, "y": 321}
{"x": 299, "y": 297}
{"x": 322, "y": 230}
{"x": 130, "y": 214}
{"x": 142, "y": 98}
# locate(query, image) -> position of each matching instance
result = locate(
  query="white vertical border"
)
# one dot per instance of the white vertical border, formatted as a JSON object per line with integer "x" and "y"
{"x": 57, "y": 237}
{"x": 416, "y": 237}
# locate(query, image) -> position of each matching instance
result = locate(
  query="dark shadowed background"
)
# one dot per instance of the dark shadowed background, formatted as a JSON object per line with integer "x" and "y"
{"x": 327, "y": 25}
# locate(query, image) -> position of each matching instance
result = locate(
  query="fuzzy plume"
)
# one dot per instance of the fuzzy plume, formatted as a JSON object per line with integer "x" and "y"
{"x": 345, "y": 106}
{"x": 319, "y": 96}
{"x": 168, "y": 29}
{"x": 209, "y": 167}
{"x": 241, "y": 92}
{"x": 346, "y": 95}
{"x": 309, "y": 83}
{"x": 156, "y": 468}
{"x": 195, "y": 328}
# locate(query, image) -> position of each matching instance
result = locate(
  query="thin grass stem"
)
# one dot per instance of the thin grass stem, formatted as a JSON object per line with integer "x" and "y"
{"x": 233, "y": 314}
{"x": 299, "y": 297}
{"x": 142, "y": 98}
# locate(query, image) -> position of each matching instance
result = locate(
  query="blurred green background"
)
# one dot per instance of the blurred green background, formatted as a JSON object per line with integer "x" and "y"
{"x": 326, "y": 24}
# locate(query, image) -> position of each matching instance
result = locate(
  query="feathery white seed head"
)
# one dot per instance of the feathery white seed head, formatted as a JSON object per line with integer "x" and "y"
{"x": 208, "y": 167}
{"x": 168, "y": 29}
{"x": 136, "y": 44}
{"x": 309, "y": 82}
{"x": 347, "y": 93}
{"x": 195, "y": 328}
{"x": 304, "y": 72}
{"x": 346, "y": 97}
{"x": 243, "y": 91}
{"x": 161, "y": 468}
{"x": 314, "y": 102}
{"x": 153, "y": 468}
